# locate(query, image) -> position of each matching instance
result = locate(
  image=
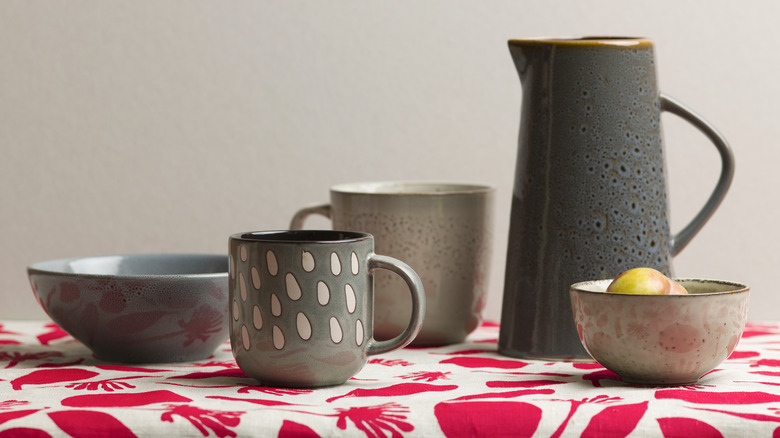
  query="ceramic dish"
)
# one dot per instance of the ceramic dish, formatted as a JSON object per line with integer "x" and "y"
{"x": 660, "y": 339}
{"x": 139, "y": 308}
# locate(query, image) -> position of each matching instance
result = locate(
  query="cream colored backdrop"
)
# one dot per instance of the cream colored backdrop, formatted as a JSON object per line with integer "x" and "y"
{"x": 140, "y": 126}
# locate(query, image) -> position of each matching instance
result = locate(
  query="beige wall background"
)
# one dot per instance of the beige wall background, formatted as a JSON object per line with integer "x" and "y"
{"x": 138, "y": 126}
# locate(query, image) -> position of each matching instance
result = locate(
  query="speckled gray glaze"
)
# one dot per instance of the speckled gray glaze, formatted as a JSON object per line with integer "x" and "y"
{"x": 660, "y": 339}
{"x": 138, "y": 308}
{"x": 302, "y": 305}
{"x": 590, "y": 196}
{"x": 443, "y": 230}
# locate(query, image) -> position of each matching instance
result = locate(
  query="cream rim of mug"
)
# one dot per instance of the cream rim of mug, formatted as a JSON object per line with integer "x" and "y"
{"x": 391, "y": 188}
{"x": 301, "y": 236}
{"x": 584, "y": 41}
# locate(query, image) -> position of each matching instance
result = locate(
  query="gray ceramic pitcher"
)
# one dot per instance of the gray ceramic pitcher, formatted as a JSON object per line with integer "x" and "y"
{"x": 590, "y": 196}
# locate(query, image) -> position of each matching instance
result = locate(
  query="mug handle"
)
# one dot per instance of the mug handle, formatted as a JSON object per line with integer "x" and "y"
{"x": 682, "y": 238}
{"x": 300, "y": 216}
{"x": 418, "y": 303}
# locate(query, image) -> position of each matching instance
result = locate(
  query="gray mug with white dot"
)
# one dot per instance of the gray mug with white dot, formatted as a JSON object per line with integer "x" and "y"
{"x": 302, "y": 305}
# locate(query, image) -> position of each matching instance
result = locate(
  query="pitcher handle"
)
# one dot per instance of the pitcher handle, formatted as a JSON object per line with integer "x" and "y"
{"x": 682, "y": 238}
{"x": 418, "y": 303}
{"x": 300, "y": 216}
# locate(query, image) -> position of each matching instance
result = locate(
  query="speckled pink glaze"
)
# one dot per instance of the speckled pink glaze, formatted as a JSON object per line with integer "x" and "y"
{"x": 660, "y": 339}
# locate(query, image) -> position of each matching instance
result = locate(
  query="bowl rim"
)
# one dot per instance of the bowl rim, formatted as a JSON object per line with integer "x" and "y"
{"x": 737, "y": 288}
{"x": 47, "y": 267}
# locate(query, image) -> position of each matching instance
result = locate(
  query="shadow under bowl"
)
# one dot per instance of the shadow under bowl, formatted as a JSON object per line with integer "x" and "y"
{"x": 138, "y": 308}
{"x": 660, "y": 339}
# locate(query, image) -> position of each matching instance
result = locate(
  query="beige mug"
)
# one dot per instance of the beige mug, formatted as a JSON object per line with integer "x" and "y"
{"x": 444, "y": 231}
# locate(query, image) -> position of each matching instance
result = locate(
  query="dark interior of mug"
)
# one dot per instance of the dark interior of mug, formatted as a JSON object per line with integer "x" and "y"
{"x": 304, "y": 236}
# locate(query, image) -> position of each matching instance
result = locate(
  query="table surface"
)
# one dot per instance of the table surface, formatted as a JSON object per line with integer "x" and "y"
{"x": 51, "y": 385}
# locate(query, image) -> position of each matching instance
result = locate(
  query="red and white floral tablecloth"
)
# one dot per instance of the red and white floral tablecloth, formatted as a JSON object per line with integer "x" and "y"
{"x": 51, "y": 385}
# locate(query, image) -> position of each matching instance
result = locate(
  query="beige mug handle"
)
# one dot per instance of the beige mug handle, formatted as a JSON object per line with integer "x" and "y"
{"x": 320, "y": 209}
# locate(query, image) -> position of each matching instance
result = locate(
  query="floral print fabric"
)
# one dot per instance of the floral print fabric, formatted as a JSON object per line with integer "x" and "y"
{"x": 51, "y": 385}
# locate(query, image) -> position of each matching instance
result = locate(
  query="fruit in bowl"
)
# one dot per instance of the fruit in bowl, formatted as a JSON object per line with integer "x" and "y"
{"x": 660, "y": 339}
{"x": 645, "y": 281}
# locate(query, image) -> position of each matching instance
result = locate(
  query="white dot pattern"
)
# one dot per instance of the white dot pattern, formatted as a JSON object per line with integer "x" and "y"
{"x": 242, "y": 286}
{"x": 307, "y": 261}
{"x": 276, "y": 305}
{"x": 359, "y": 332}
{"x": 278, "y": 338}
{"x": 336, "y": 335}
{"x": 349, "y": 295}
{"x": 245, "y": 338}
{"x": 303, "y": 325}
{"x": 257, "y": 317}
{"x": 293, "y": 288}
{"x": 323, "y": 293}
{"x": 255, "y": 278}
{"x": 333, "y": 312}
{"x": 354, "y": 263}
{"x": 273, "y": 265}
{"x": 335, "y": 264}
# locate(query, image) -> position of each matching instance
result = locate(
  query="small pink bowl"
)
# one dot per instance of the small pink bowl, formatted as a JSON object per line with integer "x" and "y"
{"x": 660, "y": 339}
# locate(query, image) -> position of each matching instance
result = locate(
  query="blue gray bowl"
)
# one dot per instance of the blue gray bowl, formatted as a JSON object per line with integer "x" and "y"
{"x": 138, "y": 308}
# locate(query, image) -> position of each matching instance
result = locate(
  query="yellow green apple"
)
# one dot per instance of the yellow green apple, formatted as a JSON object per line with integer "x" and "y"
{"x": 645, "y": 281}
